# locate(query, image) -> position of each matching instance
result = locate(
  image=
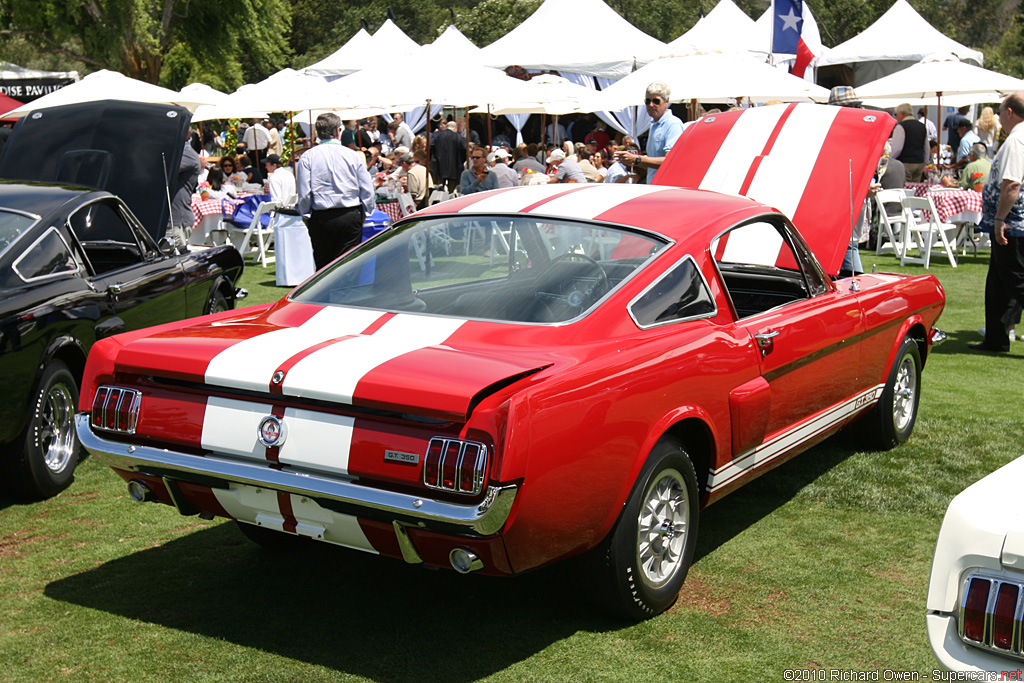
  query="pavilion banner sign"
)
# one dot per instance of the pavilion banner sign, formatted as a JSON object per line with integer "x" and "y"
{"x": 28, "y": 89}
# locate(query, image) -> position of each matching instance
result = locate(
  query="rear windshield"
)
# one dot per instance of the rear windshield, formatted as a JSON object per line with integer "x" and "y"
{"x": 513, "y": 269}
{"x": 12, "y": 226}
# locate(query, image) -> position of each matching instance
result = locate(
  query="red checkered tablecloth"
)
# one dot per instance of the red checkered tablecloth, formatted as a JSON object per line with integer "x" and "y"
{"x": 948, "y": 202}
{"x": 202, "y": 208}
{"x": 392, "y": 208}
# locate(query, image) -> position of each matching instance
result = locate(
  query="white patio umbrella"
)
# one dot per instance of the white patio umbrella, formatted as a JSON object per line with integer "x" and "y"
{"x": 942, "y": 76}
{"x": 549, "y": 94}
{"x": 111, "y": 85}
{"x": 939, "y": 78}
{"x": 713, "y": 77}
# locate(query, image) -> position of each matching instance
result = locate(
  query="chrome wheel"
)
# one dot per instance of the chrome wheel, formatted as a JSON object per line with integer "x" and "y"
{"x": 904, "y": 402}
{"x": 662, "y": 528}
{"x": 56, "y": 434}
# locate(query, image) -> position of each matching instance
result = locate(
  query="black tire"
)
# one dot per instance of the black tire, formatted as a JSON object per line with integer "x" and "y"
{"x": 218, "y": 303}
{"x": 643, "y": 562}
{"x": 273, "y": 540}
{"x": 43, "y": 464}
{"x": 892, "y": 419}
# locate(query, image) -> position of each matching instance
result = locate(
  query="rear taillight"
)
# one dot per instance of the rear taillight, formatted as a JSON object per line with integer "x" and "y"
{"x": 990, "y": 613}
{"x": 455, "y": 465}
{"x": 115, "y": 409}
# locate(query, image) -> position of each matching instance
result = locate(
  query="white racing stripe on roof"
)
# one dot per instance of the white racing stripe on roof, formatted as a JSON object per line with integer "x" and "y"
{"x": 515, "y": 200}
{"x": 333, "y": 372}
{"x": 593, "y": 200}
{"x": 783, "y": 175}
{"x": 250, "y": 364}
{"x": 742, "y": 145}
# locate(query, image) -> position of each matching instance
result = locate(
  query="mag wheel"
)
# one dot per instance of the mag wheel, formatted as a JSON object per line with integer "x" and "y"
{"x": 647, "y": 555}
{"x": 45, "y": 463}
{"x": 894, "y": 416}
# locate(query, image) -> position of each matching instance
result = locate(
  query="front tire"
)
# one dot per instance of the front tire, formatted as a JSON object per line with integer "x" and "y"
{"x": 218, "y": 303}
{"x": 45, "y": 463}
{"x": 892, "y": 420}
{"x": 646, "y": 557}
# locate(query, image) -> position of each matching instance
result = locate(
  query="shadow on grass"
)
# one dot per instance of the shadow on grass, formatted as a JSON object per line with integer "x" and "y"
{"x": 345, "y": 610}
{"x": 379, "y": 618}
{"x": 956, "y": 343}
{"x": 746, "y": 506}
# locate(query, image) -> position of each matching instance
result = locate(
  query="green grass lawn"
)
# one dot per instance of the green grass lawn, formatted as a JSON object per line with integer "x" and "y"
{"x": 822, "y": 563}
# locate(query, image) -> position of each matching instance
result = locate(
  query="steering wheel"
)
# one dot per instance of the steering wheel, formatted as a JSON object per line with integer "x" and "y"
{"x": 578, "y": 293}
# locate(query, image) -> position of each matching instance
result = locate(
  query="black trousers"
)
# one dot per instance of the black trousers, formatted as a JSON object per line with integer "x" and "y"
{"x": 1004, "y": 291}
{"x": 333, "y": 232}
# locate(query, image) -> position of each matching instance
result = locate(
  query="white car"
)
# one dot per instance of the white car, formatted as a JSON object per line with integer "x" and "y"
{"x": 976, "y": 589}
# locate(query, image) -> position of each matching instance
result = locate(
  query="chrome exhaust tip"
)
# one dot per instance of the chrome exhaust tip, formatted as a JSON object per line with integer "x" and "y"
{"x": 139, "y": 492}
{"x": 464, "y": 561}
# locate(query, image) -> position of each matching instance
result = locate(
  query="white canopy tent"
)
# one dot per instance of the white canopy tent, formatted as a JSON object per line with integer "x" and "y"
{"x": 716, "y": 77}
{"x": 539, "y": 43}
{"x": 900, "y": 38}
{"x": 347, "y": 59}
{"x": 454, "y": 46}
{"x": 111, "y": 85}
{"x": 726, "y": 28}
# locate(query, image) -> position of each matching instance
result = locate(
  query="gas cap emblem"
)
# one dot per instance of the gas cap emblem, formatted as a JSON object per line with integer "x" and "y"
{"x": 272, "y": 431}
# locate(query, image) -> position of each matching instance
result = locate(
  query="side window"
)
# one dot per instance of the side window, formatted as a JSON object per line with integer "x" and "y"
{"x": 680, "y": 294}
{"x": 49, "y": 256}
{"x": 760, "y": 268}
{"x": 108, "y": 240}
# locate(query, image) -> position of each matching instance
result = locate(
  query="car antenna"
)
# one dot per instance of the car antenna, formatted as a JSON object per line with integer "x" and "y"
{"x": 167, "y": 188}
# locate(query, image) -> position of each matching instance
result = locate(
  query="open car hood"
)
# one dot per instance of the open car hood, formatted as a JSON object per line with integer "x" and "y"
{"x": 812, "y": 162}
{"x": 120, "y": 147}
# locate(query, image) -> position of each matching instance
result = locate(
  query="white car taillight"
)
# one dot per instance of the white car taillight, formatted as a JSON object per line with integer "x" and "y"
{"x": 990, "y": 614}
{"x": 115, "y": 409}
{"x": 455, "y": 465}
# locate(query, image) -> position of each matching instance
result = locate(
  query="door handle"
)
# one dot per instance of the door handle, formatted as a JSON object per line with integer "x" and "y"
{"x": 766, "y": 341}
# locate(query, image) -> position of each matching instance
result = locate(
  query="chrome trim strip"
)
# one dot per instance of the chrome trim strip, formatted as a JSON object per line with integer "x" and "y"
{"x": 483, "y": 519}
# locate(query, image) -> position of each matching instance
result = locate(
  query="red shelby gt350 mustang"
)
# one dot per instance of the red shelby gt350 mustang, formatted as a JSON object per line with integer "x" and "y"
{"x": 519, "y": 376}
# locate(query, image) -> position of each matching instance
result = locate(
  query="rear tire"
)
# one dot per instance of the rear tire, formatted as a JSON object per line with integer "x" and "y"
{"x": 218, "y": 303}
{"x": 892, "y": 419}
{"x": 642, "y": 564}
{"x": 44, "y": 462}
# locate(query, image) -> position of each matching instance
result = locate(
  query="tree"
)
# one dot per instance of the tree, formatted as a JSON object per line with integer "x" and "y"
{"x": 229, "y": 45}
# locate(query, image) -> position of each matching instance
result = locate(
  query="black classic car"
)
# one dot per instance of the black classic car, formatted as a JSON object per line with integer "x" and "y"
{"x": 84, "y": 195}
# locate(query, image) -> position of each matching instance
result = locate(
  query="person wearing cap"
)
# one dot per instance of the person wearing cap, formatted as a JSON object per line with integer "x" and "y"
{"x": 1002, "y": 215}
{"x": 665, "y": 130}
{"x": 478, "y": 178}
{"x": 280, "y": 181}
{"x": 967, "y": 138}
{"x": 910, "y": 143}
{"x": 506, "y": 176}
{"x": 566, "y": 170}
{"x": 335, "y": 192}
{"x": 416, "y": 181}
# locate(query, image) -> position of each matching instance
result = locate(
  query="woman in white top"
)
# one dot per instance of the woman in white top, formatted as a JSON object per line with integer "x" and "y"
{"x": 219, "y": 189}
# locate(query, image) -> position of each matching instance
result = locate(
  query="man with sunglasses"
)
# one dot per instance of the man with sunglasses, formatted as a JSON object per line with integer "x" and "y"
{"x": 479, "y": 178}
{"x": 665, "y": 130}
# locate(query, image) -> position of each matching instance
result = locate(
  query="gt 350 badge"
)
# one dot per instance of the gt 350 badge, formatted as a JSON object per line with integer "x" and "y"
{"x": 404, "y": 458}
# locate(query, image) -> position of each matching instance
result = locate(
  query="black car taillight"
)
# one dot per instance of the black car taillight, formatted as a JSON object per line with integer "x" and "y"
{"x": 115, "y": 409}
{"x": 455, "y": 465}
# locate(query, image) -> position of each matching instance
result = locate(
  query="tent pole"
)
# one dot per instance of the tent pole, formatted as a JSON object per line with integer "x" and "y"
{"x": 938, "y": 132}
{"x": 490, "y": 136}
{"x": 543, "y": 128}
{"x": 428, "y": 140}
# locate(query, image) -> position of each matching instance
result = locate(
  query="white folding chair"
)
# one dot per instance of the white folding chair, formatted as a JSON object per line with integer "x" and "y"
{"x": 890, "y": 227}
{"x": 923, "y": 228}
{"x": 256, "y": 239}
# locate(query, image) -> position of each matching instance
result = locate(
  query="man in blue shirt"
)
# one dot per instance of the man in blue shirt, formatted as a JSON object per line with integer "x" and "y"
{"x": 478, "y": 178}
{"x": 665, "y": 130}
{"x": 335, "y": 192}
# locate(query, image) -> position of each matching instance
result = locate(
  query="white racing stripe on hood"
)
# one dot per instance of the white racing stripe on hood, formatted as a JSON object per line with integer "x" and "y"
{"x": 587, "y": 204}
{"x": 782, "y": 176}
{"x": 744, "y": 143}
{"x": 250, "y": 364}
{"x": 333, "y": 372}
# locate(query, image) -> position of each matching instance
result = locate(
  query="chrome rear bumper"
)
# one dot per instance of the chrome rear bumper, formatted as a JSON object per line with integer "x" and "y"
{"x": 483, "y": 519}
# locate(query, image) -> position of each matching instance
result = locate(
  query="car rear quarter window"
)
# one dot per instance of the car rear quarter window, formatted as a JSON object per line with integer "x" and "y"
{"x": 12, "y": 226}
{"x": 680, "y": 294}
{"x": 49, "y": 256}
